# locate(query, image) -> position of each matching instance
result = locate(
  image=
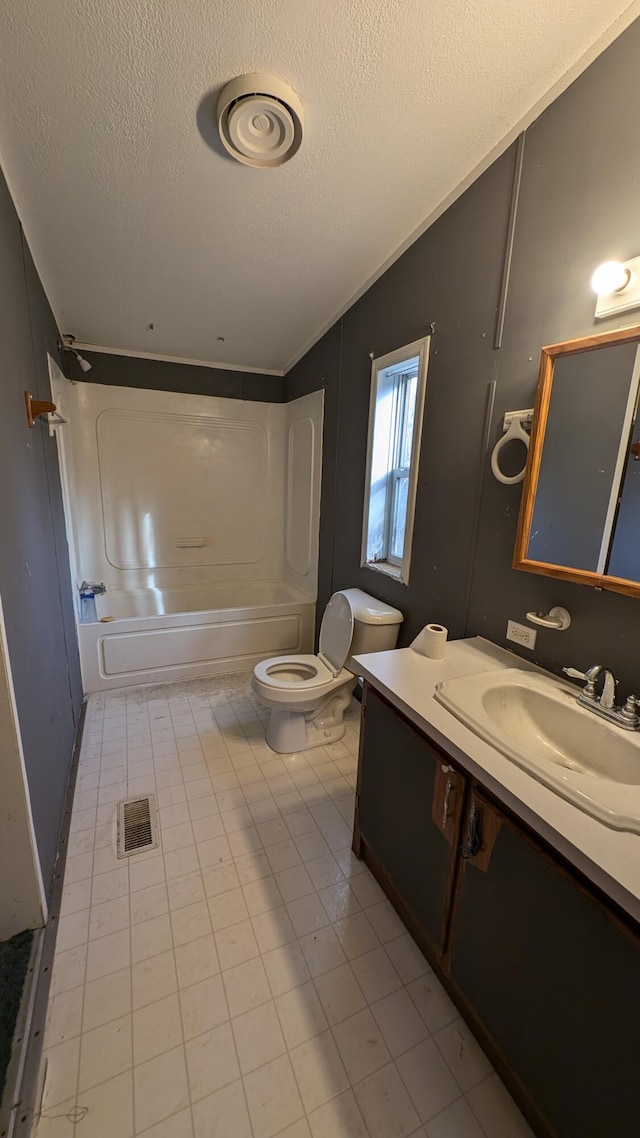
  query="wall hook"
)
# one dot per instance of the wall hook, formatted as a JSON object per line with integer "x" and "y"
{"x": 36, "y": 407}
{"x": 514, "y": 425}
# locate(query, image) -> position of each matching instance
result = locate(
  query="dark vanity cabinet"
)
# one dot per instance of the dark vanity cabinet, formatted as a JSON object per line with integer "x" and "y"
{"x": 409, "y": 805}
{"x": 546, "y": 972}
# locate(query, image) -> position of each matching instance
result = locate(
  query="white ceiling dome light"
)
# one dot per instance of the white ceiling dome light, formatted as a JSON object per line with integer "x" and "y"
{"x": 260, "y": 120}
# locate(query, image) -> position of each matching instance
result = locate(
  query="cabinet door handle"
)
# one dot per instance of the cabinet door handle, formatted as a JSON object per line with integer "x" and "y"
{"x": 445, "y": 802}
{"x": 473, "y": 840}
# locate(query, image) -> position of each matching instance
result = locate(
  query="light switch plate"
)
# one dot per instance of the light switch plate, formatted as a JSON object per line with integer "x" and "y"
{"x": 521, "y": 634}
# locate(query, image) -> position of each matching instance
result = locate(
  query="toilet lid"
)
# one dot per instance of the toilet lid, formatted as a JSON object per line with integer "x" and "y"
{"x": 336, "y": 633}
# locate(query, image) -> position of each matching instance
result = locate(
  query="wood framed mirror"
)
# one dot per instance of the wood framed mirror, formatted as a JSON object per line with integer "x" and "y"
{"x": 580, "y": 510}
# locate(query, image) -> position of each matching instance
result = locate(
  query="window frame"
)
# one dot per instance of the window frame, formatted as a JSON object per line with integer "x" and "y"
{"x": 381, "y": 369}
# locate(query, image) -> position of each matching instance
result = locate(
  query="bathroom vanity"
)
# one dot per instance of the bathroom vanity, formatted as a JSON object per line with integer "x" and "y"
{"x": 527, "y": 908}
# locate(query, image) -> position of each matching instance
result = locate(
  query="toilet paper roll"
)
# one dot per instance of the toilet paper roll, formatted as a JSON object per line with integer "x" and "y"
{"x": 431, "y": 641}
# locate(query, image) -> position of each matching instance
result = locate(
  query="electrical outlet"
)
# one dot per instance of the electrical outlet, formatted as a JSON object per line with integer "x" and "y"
{"x": 520, "y": 634}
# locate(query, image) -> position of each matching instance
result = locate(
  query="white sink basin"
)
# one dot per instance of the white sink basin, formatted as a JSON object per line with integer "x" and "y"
{"x": 536, "y": 722}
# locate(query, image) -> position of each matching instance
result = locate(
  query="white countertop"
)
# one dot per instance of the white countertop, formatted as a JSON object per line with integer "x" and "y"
{"x": 609, "y": 858}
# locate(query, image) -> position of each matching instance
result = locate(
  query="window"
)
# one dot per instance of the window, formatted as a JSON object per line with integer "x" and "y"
{"x": 398, "y": 384}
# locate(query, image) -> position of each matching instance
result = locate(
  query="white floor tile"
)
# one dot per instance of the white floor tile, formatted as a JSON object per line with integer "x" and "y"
{"x": 322, "y": 951}
{"x": 307, "y": 914}
{"x": 190, "y": 923}
{"x": 150, "y": 938}
{"x": 339, "y": 901}
{"x": 361, "y": 1045}
{"x": 246, "y": 986}
{"x": 258, "y": 1037}
{"x": 376, "y": 975}
{"x": 457, "y": 1121}
{"x": 222, "y": 1115}
{"x": 228, "y": 909}
{"x": 64, "y": 1019}
{"x": 196, "y": 961}
{"x": 183, "y": 891}
{"x": 157, "y": 1027}
{"x": 406, "y": 957}
{"x": 69, "y": 969}
{"x": 211, "y": 1061}
{"x": 399, "y": 1022}
{"x": 254, "y": 935}
{"x": 338, "y": 1118}
{"x": 204, "y": 1006}
{"x": 236, "y": 944}
{"x": 433, "y": 1003}
{"x": 463, "y": 1055}
{"x": 428, "y": 1079}
{"x": 340, "y": 993}
{"x": 496, "y": 1111}
{"x": 273, "y": 1099}
{"x": 385, "y": 921}
{"x": 61, "y": 1078}
{"x": 104, "y": 1052}
{"x": 160, "y": 1088}
{"x": 286, "y": 968}
{"x": 109, "y": 1108}
{"x": 301, "y": 1014}
{"x": 319, "y": 1071}
{"x": 151, "y": 979}
{"x": 385, "y": 1104}
{"x": 107, "y": 999}
{"x": 294, "y": 883}
{"x": 273, "y": 929}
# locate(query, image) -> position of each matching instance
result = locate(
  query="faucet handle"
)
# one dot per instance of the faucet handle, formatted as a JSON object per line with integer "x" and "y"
{"x": 629, "y": 712}
{"x": 574, "y": 674}
{"x": 589, "y": 677}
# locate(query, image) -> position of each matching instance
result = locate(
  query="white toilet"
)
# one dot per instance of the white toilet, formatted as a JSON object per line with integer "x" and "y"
{"x": 308, "y": 695}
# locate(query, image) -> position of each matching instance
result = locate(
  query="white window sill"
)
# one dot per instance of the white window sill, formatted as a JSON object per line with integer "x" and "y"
{"x": 386, "y": 567}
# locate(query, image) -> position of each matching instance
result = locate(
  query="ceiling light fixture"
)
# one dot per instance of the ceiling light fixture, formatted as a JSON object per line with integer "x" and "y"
{"x": 260, "y": 120}
{"x": 617, "y": 285}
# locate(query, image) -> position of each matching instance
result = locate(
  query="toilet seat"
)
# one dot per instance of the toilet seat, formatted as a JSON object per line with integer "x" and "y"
{"x": 293, "y": 673}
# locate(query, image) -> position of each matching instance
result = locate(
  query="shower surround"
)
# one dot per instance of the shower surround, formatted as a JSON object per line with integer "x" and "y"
{"x": 200, "y": 515}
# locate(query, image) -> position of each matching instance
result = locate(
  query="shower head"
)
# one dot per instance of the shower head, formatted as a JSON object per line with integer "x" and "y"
{"x": 84, "y": 364}
{"x": 67, "y": 346}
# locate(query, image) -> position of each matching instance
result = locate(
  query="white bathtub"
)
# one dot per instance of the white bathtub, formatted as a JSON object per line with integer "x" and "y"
{"x": 162, "y": 635}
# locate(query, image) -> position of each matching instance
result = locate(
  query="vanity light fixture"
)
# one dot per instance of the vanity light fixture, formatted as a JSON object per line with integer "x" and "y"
{"x": 617, "y": 285}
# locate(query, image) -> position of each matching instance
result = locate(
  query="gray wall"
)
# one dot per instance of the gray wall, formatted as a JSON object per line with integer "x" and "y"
{"x": 160, "y": 375}
{"x": 34, "y": 568}
{"x": 578, "y": 206}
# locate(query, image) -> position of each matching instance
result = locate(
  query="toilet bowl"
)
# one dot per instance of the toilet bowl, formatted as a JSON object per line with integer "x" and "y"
{"x": 308, "y": 695}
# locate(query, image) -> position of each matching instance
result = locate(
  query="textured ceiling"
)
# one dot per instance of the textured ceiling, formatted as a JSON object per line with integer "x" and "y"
{"x": 133, "y": 219}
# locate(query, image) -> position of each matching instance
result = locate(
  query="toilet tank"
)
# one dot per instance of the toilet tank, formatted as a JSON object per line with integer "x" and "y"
{"x": 375, "y": 625}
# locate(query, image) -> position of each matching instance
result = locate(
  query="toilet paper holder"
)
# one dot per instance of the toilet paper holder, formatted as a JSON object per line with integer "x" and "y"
{"x": 516, "y": 425}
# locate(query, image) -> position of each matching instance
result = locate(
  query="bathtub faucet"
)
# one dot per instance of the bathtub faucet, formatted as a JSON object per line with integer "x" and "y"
{"x": 89, "y": 587}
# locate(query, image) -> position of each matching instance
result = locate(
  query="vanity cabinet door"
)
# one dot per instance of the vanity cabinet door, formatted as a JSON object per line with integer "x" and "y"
{"x": 409, "y": 806}
{"x": 553, "y": 976}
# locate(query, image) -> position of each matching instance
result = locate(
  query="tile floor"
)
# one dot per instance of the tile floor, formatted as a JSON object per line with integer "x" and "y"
{"x": 248, "y": 979}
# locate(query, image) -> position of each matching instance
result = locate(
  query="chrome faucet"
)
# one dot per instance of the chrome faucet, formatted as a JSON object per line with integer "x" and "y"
{"x": 91, "y": 587}
{"x": 605, "y": 705}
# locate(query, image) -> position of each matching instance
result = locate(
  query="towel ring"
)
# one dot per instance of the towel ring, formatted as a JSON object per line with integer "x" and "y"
{"x": 514, "y": 430}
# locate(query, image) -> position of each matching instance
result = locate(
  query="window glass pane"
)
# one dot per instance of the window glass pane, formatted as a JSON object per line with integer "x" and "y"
{"x": 411, "y": 391}
{"x": 399, "y": 516}
{"x": 396, "y": 392}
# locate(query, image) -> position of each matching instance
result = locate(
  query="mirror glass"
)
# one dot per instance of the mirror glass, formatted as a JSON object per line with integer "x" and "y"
{"x": 581, "y": 502}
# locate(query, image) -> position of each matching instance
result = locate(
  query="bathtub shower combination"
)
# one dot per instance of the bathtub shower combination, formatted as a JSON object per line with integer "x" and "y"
{"x": 200, "y": 515}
